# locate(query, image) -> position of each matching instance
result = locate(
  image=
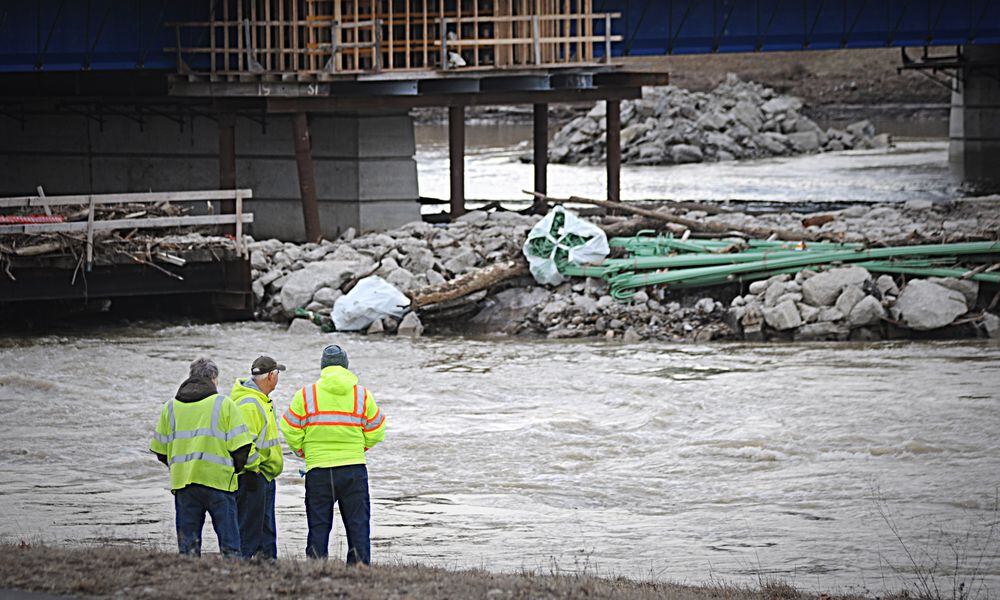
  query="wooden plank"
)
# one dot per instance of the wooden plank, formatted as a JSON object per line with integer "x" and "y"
{"x": 392, "y": 37}
{"x": 295, "y": 36}
{"x": 281, "y": 35}
{"x": 268, "y": 59}
{"x": 110, "y": 225}
{"x": 211, "y": 34}
{"x": 225, "y": 35}
{"x": 407, "y": 61}
{"x": 239, "y": 38}
{"x": 423, "y": 3}
{"x": 132, "y": 197}
{"x": 90, "y": 234}
{"x": 239, "y": 219}
{"x": 475, "y": 31}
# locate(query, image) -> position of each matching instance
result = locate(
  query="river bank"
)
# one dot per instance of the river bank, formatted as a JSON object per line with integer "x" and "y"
{"x": 428, "y": 262}
{"x": 88, "y": 572}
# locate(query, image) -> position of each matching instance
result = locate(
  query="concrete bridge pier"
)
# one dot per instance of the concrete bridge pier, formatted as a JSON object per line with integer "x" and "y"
{"x": 974, "y": 128}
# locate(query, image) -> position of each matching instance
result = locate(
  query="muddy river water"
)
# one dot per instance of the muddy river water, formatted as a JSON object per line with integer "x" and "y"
{"x": 668, "y": 462}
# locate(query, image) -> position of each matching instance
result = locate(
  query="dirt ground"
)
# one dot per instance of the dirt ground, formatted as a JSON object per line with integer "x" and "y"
{"x": 824, "y": 77}
{"x": 142, "y": 573}
{"x": 834, "y": 84}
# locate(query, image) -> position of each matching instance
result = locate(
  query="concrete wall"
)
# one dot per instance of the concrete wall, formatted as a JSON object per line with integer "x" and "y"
{"x": 366, "y": 176}
{"x": 974, "y": 131}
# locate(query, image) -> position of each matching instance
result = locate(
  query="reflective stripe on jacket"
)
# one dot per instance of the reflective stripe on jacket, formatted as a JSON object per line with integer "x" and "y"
{"x": 259, "y": 416}
{"x": 333, "y": 421}
{"x": 197, "y": 439}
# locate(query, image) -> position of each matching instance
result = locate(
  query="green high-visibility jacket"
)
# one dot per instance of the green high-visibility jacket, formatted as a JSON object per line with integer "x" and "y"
{"x": 332, "y": 422}
{"x": 259, "y": 416}
{"x": 197, "y": 439}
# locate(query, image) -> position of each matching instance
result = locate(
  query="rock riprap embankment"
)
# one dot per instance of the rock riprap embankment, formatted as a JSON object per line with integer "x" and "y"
{"x": 839, "y": 303}
{"x": 852, "y": 303}
{"x": 736, "y": 120}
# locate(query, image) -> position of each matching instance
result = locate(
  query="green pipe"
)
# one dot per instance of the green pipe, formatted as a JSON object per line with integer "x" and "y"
{"x": 804, "y": 259}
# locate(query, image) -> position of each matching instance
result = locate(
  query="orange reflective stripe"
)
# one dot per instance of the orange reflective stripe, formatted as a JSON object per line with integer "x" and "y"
{"x": 375, "y": 422}
{"x": 315, "y": 399}
{"x": 290, "y": 423}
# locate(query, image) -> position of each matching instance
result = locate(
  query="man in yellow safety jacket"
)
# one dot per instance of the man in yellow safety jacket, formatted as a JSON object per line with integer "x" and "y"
{"x": 202, "y": 437}
{"x": 255, "y": 497}
{"x": 332, "y": 423}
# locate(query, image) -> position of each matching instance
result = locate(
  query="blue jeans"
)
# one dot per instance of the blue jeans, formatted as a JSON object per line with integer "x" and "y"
{"x": 255, "y": 507}
{"x": 191, "y": 503}
{"x": 347, "y": 485}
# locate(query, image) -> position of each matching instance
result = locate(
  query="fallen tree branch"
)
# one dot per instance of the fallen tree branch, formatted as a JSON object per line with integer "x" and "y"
{"x": 469, "y": 283}
{"x": 692, "y": 224}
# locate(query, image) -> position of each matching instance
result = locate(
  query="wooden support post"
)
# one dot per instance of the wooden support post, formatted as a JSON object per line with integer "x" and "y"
{"x": 227, "y": 164}
{"x": 90, "y": 234}
{"x": 456, "y": 153}
{"x": 307, "y": 177}
{"x": 541, "y": 152}
{"x": 614, "y": 153}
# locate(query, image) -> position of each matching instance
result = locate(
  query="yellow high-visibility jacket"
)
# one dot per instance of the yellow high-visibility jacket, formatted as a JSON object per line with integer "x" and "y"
{"x": 198, "y": 438}
{"x": 259, "y": 415}
{"x": 332, "y": 422}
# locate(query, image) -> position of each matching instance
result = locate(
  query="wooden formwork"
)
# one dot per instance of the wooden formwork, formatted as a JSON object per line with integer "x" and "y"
{"x": 310, "y": 37}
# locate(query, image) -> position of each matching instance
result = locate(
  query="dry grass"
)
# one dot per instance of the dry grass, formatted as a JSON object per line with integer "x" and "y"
{"x": 143, "y": 573}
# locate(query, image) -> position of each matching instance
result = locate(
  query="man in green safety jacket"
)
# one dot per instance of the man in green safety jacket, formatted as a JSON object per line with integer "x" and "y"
{"x": 255, "y": 497}
{"x": 202, "y": 437}
{"x": 332, "y": 423}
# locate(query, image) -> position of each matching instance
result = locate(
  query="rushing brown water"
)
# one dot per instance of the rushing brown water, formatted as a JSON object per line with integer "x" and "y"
{"x": 673, "y": 462}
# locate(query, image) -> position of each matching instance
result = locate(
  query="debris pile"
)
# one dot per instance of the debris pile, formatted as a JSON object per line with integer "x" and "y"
{"x": 736, "y": 120}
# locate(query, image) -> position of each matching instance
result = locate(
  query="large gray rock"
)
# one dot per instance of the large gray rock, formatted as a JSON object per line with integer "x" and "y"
{"x": 805, "y": 141}
{"x": 820, "y": 331}
{"x": 462, "y": 262}
{"x": 886, "y": 285}
{"x": 781, "y": 104}
{"x": 327, "y": 296}
{"x": 401, "y": 278}
{"x": 991, "y": 323}
{"x": 925, "y": 305}
{"x": 783, "y": 316}
{"x": 686, "y": 153}
{"x": 300, "y": 286}
{"x": 410, "y": 325}
{"x": 510, "y": 307}
{"x": 848, "y": 298}
{"x": 868, "y": 311}
{"x": 967, "y": 287}
{"x": 302, "y": 327}
{"x": 824, "y": 288}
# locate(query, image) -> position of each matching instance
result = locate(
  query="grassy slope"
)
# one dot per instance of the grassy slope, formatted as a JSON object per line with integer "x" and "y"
{"x": 139, "y": 573}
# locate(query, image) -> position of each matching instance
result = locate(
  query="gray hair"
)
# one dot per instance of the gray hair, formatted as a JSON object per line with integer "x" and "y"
{"x": 261, "y": 377}
{"x": 204, "y": 368}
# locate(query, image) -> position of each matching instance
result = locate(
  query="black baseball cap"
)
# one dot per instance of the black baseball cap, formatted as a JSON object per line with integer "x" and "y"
{"x": 265, "y": 364}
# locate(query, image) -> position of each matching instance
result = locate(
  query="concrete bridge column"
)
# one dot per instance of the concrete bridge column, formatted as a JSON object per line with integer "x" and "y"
{"x": 974, "y": 131}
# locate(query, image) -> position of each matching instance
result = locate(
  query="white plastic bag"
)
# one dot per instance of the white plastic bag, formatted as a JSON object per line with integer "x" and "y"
{"x": 372, "y": 298}
{"x": 594, "y": 249}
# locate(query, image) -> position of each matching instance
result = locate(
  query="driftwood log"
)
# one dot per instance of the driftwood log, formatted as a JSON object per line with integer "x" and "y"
{"x": 692, "y": 224}
{"x": 469, "y": 283}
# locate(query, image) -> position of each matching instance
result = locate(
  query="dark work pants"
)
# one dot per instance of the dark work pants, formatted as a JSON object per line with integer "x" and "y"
{"x": 191, "y": 503}
{"x": 255, "y": 506}
{"x": 348, "y": 486}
